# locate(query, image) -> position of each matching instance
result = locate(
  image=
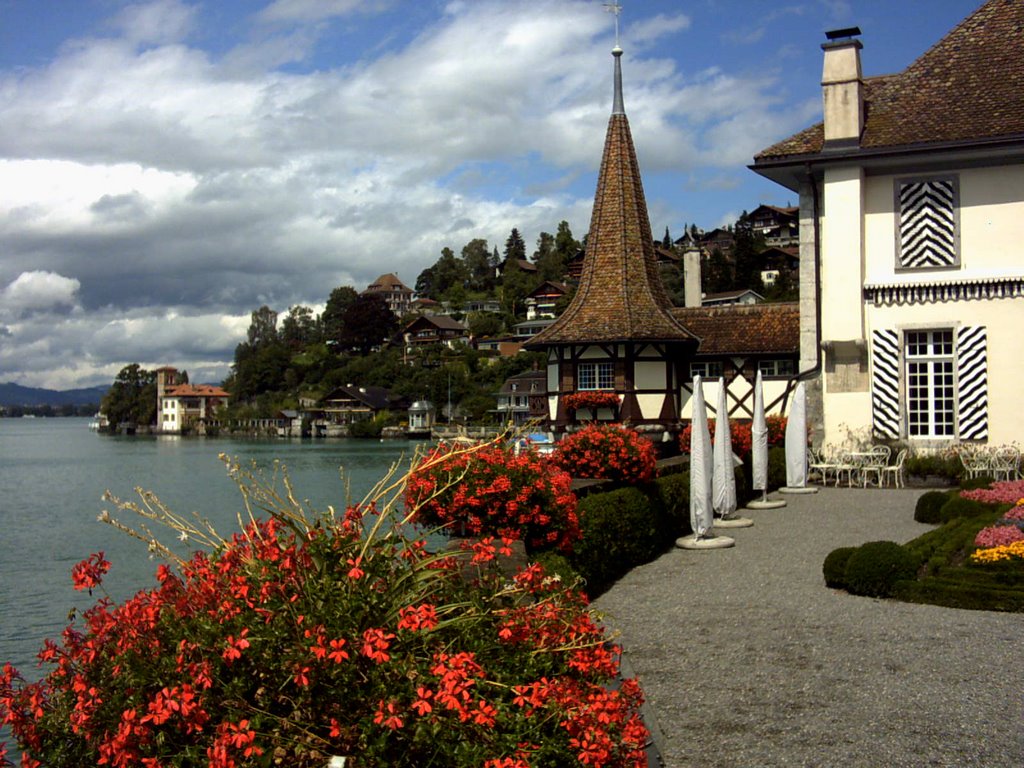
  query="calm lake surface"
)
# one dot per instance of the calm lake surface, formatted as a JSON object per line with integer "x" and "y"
{"x": 53, "y": 473}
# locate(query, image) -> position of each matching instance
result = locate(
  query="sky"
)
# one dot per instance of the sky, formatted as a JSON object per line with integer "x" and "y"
{"x": 168, "y": 167}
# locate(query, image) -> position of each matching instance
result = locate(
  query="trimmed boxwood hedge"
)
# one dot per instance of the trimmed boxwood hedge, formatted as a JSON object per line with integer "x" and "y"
{"x": 621, "y": 529}
{"x": 929, "y": 506}
{"x": 958, "y": 506}
{"x": 873, "y": 569}
{"x": 834, "y": 567}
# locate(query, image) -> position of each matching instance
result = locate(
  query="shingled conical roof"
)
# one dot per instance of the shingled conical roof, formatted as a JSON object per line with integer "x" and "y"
{"x": 621, "y": 296}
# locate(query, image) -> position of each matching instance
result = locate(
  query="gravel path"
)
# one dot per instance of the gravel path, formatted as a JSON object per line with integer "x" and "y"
{"x": 748, "y": 659}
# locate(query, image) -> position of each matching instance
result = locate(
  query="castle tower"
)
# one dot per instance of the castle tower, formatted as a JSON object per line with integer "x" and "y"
{"x": 618, "y": 334}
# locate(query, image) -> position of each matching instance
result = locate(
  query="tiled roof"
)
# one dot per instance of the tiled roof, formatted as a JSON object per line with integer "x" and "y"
{"x": 388, "y": 282}
{"x": 968, "y": 87}
{"x": 195, "y": 390}
{"x": 620, "y": 296}
{"x": 738, "y": 329}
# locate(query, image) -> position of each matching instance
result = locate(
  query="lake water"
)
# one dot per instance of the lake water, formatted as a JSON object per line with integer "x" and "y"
{"x": 53, "y": 473}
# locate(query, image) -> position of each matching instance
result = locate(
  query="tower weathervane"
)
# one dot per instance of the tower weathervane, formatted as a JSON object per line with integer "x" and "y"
{"x": 614, "y": 8}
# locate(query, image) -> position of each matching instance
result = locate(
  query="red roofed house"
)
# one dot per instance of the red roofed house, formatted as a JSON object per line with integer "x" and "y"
{"x": 912, "y": 239}
{"x": 395, "y": 293}
{"x": 185, "y": 407}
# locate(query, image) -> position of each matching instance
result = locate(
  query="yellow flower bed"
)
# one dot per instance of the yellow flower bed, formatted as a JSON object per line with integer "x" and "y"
{"x": 997, "y": 554}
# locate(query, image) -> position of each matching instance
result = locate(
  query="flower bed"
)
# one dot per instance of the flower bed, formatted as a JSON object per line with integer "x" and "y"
{"x": 608, "y": 451}
{"x": 302, "y": 638}
{"x": 740, "y": 433}
{"x": 488, "y": 490}
{"x": 1001, "y": 492}
{"x": 590, "y": 399}
{"x": 998, "y": 535}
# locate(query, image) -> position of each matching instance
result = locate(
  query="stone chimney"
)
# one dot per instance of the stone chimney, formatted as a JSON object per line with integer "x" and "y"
{"x": 842, "y": 88}
{"x": 691, "y": 277}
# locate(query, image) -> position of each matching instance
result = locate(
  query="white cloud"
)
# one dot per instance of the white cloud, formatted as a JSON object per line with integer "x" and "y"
{"x": 158, "y": 22}
{"x": 37, "y": 291}
{"x": 174, "y": 188}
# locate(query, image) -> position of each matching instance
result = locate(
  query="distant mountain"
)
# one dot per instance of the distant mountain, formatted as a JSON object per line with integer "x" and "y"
{"x": 15, "y": 394}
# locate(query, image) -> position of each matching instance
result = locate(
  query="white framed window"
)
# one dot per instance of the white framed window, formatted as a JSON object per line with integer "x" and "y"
{"x": 706, "y": 369}
{"x": 595, "y": 376}
{"x": 777, "y": 367}
{"x": 927, "y": 223}
{"x": 930, "y": 375}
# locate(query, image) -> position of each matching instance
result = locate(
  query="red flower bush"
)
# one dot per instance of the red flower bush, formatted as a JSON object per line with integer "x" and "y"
{"x": 273, "y": 649}
{"x": 488, "y": 490}
{"x": 740, "y": 432}
{"x": 608, "y": 451}
{"x": 998, "y": 536}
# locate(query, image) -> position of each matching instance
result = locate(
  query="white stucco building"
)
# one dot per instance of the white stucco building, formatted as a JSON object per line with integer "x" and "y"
{"x": 912, "y": 239}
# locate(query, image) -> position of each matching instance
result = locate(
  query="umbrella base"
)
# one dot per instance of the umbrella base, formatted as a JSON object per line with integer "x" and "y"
{"x": 798, "y": 489}
{"x": 733, "y": 522}
{"x": 766, "y": 504}
{"x": 713, "y": 542}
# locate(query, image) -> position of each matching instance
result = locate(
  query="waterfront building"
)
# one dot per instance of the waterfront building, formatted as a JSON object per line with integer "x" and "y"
{"x": 185, "y": 407}
{"x": 911, "y": 231}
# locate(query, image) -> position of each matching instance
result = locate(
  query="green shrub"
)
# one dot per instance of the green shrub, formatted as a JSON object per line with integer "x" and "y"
{"x": 777, "y": 467}
{"x": 972, "y": 483}
{"x": 557, "y": 564}
{"x": 834, "y": 567}
{"x": 941, "y": 465}
{"x": 674, "y": 491}
{"x": 957, "y": 506}
{"x": 874, "y": 568}
{"x": 929, "y": 506}
{"x": 621, "y": 529}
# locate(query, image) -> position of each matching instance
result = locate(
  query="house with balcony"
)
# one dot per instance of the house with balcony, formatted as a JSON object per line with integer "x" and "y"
{"x": 428, "y": 330}
{"x": 397, "y": 296}
{"x": 542, "y": 301}
{"x": 779, "y": 227}
{"x": 912, "y": 238}
{"x": 523, "y": 398}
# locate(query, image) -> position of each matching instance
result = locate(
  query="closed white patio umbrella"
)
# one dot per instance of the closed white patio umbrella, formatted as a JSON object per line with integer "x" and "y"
{"x": 723, "y": 483}
{"x": 759, "y": 451}
{"x": 701, "y": 470}
{"x": 796, "y": 445}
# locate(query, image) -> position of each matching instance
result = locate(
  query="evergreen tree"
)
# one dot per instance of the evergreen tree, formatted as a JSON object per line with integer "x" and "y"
{"x": 515, "y": 247}
{"x": 666, "y": 241}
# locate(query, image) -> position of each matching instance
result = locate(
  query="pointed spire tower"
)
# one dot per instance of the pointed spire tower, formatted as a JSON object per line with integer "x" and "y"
{"x": 621, "y": 306}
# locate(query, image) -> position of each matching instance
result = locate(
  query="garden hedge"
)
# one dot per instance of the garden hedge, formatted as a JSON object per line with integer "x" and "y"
{"x": 873, "y": 569}
{"x": 834, "y": 567}
{"x": 957, "y": 506}
{"x": 929, "y": 506}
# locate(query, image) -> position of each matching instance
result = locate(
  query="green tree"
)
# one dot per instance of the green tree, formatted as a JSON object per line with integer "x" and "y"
{"x": 368, "y": 324}
{"x": 131, "y": 398}
{"x": 476, "y": 257}
{"x": 263, "y": 327}
{"x": 299, "y": 327}
{"x": 332, "y": 319}
{"x": 515, "y": 247}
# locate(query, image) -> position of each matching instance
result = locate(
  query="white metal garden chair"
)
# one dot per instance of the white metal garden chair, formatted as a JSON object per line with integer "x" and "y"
{"x": 895, "y": 471}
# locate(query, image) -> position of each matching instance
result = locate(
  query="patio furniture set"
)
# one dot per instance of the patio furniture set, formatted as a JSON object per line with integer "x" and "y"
{"x": 1001, "y": 463}
{"x": 861, "y": 468}
{"x": 875, "y": 465}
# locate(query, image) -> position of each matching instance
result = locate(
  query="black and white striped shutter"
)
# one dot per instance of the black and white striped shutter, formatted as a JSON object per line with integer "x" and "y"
{"x": 972, "y": 380}
{"x": 885, "y": 383}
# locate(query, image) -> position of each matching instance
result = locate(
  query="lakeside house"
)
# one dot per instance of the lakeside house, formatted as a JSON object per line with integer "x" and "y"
{"x": 185, "y": 407}
{"x": 911, "y": 234}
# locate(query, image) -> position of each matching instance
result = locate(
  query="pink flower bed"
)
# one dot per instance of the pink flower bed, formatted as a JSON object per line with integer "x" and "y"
{"x": 1017, "y": 513}
{"x": 998, "y": 536}
{"x": 1002, "y": 492}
